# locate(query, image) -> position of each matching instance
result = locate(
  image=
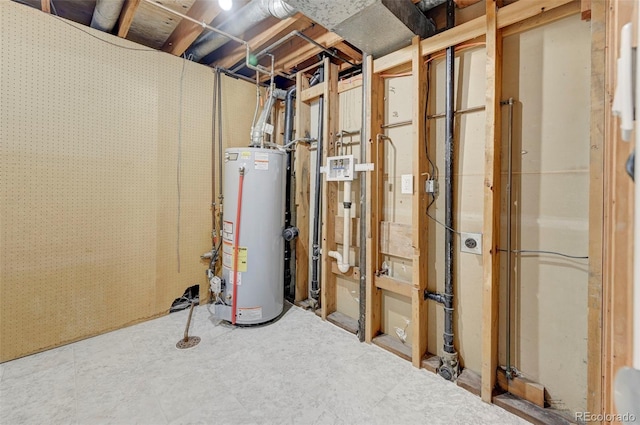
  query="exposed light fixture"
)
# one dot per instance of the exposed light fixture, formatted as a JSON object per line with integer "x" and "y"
{"x": 225, "y": 4}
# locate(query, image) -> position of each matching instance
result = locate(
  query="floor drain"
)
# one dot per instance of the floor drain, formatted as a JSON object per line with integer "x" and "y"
{"x": 188, "y": 341}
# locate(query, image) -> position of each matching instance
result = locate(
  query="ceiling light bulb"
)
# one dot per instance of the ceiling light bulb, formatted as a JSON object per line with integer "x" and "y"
{"x": 225, "y": 4}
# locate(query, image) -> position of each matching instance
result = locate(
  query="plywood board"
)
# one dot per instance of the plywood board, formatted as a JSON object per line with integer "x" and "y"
{"x": 88, "y": 167}
{"x": 396, "y": 239}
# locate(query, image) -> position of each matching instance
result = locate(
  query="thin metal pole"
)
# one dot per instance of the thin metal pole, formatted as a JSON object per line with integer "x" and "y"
{"x": 186, "y": 329}
{"x": 363, "y": 203}
{"x": 509, "y": 253}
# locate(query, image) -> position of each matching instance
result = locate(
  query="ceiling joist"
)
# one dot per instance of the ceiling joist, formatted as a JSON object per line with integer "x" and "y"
{"x": 187, "y": 32}
{"x": 126, "y": 17}
{"x": 232, "y": 54}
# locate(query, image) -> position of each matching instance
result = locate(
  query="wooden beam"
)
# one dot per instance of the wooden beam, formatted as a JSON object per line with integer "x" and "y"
{"x": 393, "y": 285}
{"x": 352, "y": 274}
{"x": 542, "y": 19}
{"x": 585, "y": 10}
{"x": 329, "y": 189}
{"x": 521, "y": 387}
{"x": 508, "y": 15}
{"x": 126, "y": 17}
{"x": 419, "y": 206}
{"x": 350, "y": 83}
{"x": 374, "y": 183}
{"x": 312, "y": 93}
{"x": 491, "y": 215}
{"x": 186, "y": 32}
{"x": 349, "y": 51}
{"x": 521, "y": 10}
{"x": 328, "y": 40}
{"x": 46, "y": 6}
{"x": 302, "y": 191}
{"x": 232, "y": 53}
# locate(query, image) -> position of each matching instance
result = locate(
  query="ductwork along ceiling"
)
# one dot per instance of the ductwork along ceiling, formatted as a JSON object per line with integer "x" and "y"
{"x": 286, "y": 28}
{"x": 377, "y": 27}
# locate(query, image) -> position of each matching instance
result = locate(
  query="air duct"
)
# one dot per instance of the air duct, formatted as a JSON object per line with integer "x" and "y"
{"x": 375, "y": 26}
{"x": 253, "y": 13}
{"x": 106, "y": 14}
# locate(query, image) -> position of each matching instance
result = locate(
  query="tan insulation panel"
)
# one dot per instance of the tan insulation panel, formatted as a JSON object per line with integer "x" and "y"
{"x": 89, "y": 145}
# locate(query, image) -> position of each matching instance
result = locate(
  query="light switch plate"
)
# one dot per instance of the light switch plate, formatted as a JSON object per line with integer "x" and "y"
{"x": 407, "y": 184}
{"x": 471, "y": 243}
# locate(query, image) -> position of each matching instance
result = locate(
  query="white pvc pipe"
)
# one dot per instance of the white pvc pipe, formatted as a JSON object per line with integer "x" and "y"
{"x": 343, "y": 259}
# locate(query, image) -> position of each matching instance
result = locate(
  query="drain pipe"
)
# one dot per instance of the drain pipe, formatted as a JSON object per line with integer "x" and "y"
{"x": 449, "y": 367}
{"x": 288, "y": 137}
{"x": 364, "y": 139}
{"x": 315, "y": 288}
{"x": 343, "y": 259}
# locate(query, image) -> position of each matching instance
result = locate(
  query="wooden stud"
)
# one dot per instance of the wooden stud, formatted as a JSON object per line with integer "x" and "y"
{"x": 374, "y": 184}
{"x": 186, "y": 32}
{"x": 126, "y": 17}
{"x": 302, "y": 192}
{"x": 46, "y": 6}
{"x": 616, "y": 310}
{"x": 491, "y": 226}
{"x": 329, "y": 189}
{"x": 419, "y": 207}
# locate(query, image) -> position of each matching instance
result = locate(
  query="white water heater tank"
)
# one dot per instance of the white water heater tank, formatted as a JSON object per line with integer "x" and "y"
{"x": 260, "y": 291}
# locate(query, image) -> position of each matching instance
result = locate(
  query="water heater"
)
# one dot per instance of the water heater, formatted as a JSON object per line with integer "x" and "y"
{"x": 259, "y": 176}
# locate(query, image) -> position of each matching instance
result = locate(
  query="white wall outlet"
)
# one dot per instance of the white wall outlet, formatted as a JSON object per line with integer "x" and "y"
{"x": 407, "y": 184}
{"x": 471, "y": 243}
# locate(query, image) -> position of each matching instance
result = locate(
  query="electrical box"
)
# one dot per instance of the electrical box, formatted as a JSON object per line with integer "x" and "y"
{"x": 471, "y": 243}
{"x": 340, "y": 168}
{"x": 407, "y": 184}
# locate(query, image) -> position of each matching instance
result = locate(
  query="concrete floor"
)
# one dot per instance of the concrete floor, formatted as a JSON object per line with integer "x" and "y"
{"x": 298, "y": 370}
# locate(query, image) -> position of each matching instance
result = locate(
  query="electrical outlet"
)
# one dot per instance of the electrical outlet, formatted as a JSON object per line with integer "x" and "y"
{"x": 407, "y": 184}
{"x": 471, "y": 243}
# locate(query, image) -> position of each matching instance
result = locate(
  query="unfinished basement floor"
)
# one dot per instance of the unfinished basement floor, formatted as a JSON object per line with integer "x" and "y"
{"x": 298, "y": 370}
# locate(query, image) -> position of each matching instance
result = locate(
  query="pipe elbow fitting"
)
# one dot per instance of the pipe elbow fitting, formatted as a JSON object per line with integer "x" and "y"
{"x": 343, "y": 267}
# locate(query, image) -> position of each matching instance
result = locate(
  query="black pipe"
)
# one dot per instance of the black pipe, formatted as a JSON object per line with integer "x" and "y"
{"x": 289, "y": 287}
{"x": 449, "y": 170}
{"x": 364, "y": 139}
{"x": 318, "y": 77}
{"x": 434, "y": 296}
